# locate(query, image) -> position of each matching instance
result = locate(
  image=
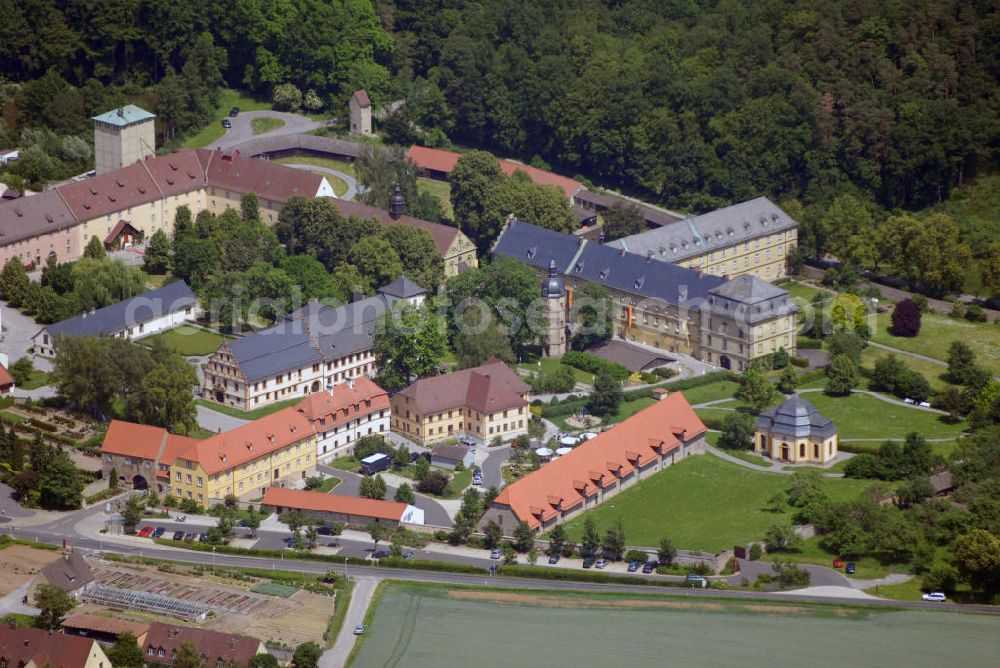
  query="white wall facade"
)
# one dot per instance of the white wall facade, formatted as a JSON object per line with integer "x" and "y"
{"x": 338, "y": 440}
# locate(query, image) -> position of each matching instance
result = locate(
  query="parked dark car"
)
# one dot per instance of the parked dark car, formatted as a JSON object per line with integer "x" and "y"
{"x": 633, "y": 566}
{"x": 554, "y": 559}
{"x": 190, "y": 536}
{"x": 202, "y": 537}
{"x": 226, "y": 123}
{"x": 324, "y": 530}
{"x": 851, "y": 568}
{"x": 407, "y": 555}
{"x": 649, "y": 567}
{"x": 158, "y": 531}
{"x": 234, "y": 112}
{"x": 178, "y": 535}
{"x": 381, "y": 554}
{"x": 588, "y": 562}
{"x": 243, "y": 523}
{"x": 414, "y": 456}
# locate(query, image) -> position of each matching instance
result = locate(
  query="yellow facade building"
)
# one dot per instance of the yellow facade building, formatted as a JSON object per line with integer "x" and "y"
{"x": 753, "y": 237}
{"x": 796, "y": 432}
{"x": 279, "y": 449}
{"x": 483, "y": 403}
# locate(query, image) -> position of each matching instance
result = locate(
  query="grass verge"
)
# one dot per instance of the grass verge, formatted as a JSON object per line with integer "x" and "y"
{"x": 189, "y": 340}
{"x": 343, "y": 601}
{"x": 265, "y": 124}
{"x": 36, "y": 380}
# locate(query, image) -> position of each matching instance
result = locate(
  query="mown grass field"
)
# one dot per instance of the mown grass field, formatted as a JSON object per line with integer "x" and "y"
{"x": 864, "y": 416}
{"x": 548, "y": 365}
{"x": 248, "y": 415}
{"x": 439, "y": 189}
{"x": 423, "y": 625}
{"x": 701, "y": 503}
{"x": 189, "y": 341}
{"x": 937, "y": 331}
{"x": 723, "y": 389}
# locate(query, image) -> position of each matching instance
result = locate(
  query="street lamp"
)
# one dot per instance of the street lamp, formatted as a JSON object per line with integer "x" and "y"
{"x": 213, "y": 560}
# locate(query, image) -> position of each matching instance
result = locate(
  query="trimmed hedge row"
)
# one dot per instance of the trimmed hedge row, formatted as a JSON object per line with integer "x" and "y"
{"x": 543, "y": 573}
{"x": 594, "y": 364}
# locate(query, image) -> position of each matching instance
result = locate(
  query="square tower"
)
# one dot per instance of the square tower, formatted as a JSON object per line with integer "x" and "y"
{"x": 361, "y": 113}
{"x": 123, "y": 136}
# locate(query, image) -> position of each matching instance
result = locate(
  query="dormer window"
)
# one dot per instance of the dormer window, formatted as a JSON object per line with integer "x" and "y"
{"x": 531, "y": 252}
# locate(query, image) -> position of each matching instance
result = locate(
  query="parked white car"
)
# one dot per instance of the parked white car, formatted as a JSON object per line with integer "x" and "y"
{"x": 936, "y": 596}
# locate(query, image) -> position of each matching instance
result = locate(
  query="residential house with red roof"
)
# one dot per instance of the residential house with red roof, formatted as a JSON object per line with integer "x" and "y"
{"x": 482, "y": 403}
{"x": 22, "y": 647}
{"x": 350, "y": 510}
{"x": 6, "y": 381}
{"x": 600, "y": 467}
{"x": 217, "y": 649}
{"x": 344, "y": 413}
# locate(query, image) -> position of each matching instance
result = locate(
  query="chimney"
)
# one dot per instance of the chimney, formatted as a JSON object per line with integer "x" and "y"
{"x": 621, "y": 253}
{"x": 649, "y": 256}
{"x": 397, "y": 206}
{"x": 350, "y": 383}
{"x": 121, "y": 112}
{"x": 600, "y": 237}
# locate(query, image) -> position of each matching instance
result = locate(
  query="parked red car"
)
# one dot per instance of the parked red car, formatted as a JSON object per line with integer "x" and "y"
{"x": 838, "y": 562}
{"x": 146, "y": 532}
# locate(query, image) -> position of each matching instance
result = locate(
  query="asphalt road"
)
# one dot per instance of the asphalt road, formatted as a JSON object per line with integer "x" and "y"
{"x": 242, "y": 130}
{"x": 219, "y": 560}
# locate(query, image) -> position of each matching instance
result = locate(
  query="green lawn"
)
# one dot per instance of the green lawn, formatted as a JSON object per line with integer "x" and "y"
{"x": 36, "y": 380}
{"x": 943, "y": 448}
{"x": 934, "y": 373}
{"x": 701, "y": 503}
{"x": 864, "y": 416}
{"x": 459, "y": 481}
{"x": 248, "y": 415}
{"x": 812, "y": 553}
{"x": 801, "y": 290}
{"x": 548, "y": 365}
{"x": 347, "y": 463}
{"x": 156, "y": 280}
{"x": 265, "y": 124}
{"x": 420, "y": 625}
{"x": 723, "y": 389}
{"x": 228, "y": 99}
{"x": 439, "y": 189}
{"x": 328, "y": 484}
{"x": 937, "y": 331}
{"x": 13, "y": 418}
{"x": 189, "y": 340}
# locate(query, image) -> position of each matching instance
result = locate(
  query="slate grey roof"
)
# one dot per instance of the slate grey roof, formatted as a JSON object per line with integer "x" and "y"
{"x": 579, "y": 258}
{"x": 403, "y": 288}
{"x": 748, "y": 289}
{"x": 274, "y": 350}
{"x": 118, "y": 317}
{"x": 715, "y": 229}
{"x": 796, "y": 417}
{"x": 453, "y": 453}
{"x": 69, "y": 573}
{"x": 632, "y": 357}
{"x": 602, "y": 201}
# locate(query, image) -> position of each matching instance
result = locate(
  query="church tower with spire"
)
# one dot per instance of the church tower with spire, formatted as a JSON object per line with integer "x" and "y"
{"x": 554, "y": 293}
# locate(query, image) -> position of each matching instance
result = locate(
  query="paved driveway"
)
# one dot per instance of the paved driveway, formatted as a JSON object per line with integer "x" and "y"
{"x": 17, "y": 332}
{"x": 215, "y": 421}
{"x": 242, "y": 130}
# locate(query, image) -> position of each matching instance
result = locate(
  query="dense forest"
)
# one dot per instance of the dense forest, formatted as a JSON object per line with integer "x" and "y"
{"x": 692, "y": 103}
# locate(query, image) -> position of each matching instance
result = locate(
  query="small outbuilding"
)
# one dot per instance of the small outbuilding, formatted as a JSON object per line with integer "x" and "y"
{"x": 796, "y": 432}
{"x": 350, "y": 510}
{"x": 71, "y": 573}
{"x": 448, "y": 456}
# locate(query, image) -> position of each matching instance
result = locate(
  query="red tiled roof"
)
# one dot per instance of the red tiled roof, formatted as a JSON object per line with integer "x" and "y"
{"x": 110, "y": 193}
{"x": 271, "y": 181}
{"x": 129, "y": 439}
{"x": 342, "y": 403}
{"x": 563, "y": 483}
{"x": 176, "y": 173}
{"x": 102, "y": 624}
{"x": 6, "y": 380}
{"x": 361, "y": 96}
{"x": 117, "y": 229}
{"x": 487, "y": 388}
{"x": 20, "y": 645}
{"x": 333, "y": 503}
{"x": 249, "y": 441}
{"x": 438, "y": 160}
{"x": 175, "y": 444}
{"x": 28, "y": 217}
{"x": 443, "y": 235}
{"x": 218, "y": 648}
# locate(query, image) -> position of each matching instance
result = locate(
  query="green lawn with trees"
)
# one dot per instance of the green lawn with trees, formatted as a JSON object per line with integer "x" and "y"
{"x": 707, "y": 504}
{"x": 212, "y": 129}
{"x": 938, "y": 330}
{"x": 864, "y": 416}
{"x": 265, "y": 124}
{"x": 189, "y": 340}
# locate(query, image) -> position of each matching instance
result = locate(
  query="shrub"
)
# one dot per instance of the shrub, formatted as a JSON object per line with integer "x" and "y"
{"x": 636, "y": 555}
{"x": 434, "y": 482}
{"x": 921, "y": 302}
{"x": 975, "y": 313}
{"x": 664, "y": 372}
{"x": 957, "y": 310}
{"x": 756, "y": 552}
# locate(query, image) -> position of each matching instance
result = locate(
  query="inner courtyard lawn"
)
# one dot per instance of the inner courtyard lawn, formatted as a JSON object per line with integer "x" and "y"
{"x": 937, "y": 331}
{"x": 188, "y": 340}
{"x": 701, "y": 503}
